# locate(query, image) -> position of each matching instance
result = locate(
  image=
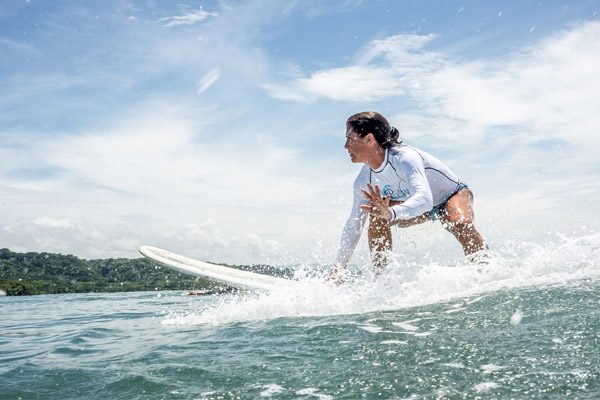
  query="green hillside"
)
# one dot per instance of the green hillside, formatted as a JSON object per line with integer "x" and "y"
{"x": 46, "y": 273}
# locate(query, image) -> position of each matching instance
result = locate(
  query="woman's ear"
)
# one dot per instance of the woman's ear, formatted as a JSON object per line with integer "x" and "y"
{"x": 370, "y": 138}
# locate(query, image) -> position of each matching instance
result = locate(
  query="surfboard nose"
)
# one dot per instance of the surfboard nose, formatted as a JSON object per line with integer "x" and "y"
{"x": 145, "y": 250}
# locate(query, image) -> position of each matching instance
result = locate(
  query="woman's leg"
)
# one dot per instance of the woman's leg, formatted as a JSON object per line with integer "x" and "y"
{"x": 457, "y": 217}
{"x": 380, "y": 237}
{"x": 380, "y": 241}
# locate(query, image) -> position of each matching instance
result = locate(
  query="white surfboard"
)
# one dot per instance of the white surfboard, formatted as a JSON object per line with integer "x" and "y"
{"x": 229, "y": 276}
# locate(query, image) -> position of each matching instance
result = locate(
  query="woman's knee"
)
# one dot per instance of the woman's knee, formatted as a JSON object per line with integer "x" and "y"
{"x": 459, "y": 221}
{"x": 460, "y": 226}
{"x": 459, "y": 210}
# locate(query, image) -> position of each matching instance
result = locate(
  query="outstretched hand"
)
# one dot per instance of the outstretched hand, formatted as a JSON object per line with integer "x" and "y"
{"x": 378, "y": 206}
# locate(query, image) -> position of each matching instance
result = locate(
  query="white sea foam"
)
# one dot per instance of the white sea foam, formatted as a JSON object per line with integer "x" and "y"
{"x": 485, "y": 386}
{"x": 405, "y": 326}
{"x": 489, "y": 368}
{"x": 419, "y": 334}
{"x": 516, "y": 318}
{"x": 271, "y": 389}
{"x": 372, "y": 329}
{"x": 394, "y": 342}
{"x": 454, "y": 310}
{"x": 313, "y": 392}
{"x": 454, "y": 365}
{"x": 519, "y": 265}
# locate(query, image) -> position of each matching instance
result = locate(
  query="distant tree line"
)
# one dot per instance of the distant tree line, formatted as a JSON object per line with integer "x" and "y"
{"x": 50, "y": 273}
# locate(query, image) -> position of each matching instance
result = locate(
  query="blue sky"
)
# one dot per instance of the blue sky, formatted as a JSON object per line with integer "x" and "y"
{"x": 216, "y": 128}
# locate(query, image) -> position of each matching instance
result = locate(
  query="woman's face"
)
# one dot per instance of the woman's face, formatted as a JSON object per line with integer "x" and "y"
{"x": 358, "y": 148}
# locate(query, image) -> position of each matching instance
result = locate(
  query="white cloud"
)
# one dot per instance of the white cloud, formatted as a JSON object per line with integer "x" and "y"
{"x": 208, "y": 80}
{"x": 53, "y": 222}
{"x": 156, "y": 179}
{"x": 187, "y": 19}
{"x": 386, "y": 68}
{"x": 549, "y": 90}
{"x": 17, "y": 46}
{"x": 53, "y": 235}
{"x": 353, "y": 84}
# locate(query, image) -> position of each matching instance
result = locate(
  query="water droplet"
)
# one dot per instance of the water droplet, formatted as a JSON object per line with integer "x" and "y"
{"x": 516, "y": 318}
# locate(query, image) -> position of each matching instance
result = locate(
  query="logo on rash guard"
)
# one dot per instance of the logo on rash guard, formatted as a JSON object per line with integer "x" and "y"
{"x": 387, "y": 190}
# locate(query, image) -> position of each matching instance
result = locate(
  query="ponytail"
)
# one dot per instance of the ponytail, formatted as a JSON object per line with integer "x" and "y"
{"x": 392, "y": 137}
{"x": 374, "y": 123}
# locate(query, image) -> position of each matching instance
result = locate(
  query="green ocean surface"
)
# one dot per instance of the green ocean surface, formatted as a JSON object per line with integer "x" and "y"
{"x": 528, "y": 330}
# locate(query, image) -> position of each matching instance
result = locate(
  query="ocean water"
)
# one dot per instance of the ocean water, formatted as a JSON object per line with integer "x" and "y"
{"x": 526, "y": 327}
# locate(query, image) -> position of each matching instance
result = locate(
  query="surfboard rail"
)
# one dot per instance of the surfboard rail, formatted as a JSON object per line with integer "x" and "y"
{"x": 218, "y": 273}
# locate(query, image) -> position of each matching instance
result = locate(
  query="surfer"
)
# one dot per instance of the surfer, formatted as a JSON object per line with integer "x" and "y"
{"x": 400, "y": 185}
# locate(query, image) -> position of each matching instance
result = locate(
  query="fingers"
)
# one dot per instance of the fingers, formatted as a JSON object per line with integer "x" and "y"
{"x": 377, "y": 192}
{"x": 368, "y": 195}
{"x": 375, "y": 197}
{"x": 373, "y": 194}
{"x": 378, "y": 205}
{"x": 374, "y": 190}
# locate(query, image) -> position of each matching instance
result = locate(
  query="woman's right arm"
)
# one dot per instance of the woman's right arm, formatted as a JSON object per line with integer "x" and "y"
{"x": 353, "y": 228}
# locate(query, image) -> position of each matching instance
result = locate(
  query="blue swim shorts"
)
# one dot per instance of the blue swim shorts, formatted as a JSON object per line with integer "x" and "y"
{"x": 436, "y": 211}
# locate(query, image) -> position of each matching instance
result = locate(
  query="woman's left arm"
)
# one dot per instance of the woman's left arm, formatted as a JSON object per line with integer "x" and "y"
{"x": 420, "y": 198}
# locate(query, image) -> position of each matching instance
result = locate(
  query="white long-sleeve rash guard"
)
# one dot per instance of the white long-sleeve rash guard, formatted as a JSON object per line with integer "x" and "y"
{"x": 407, "y": 174}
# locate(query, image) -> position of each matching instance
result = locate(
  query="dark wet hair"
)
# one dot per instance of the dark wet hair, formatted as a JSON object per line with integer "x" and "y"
{"x": 372, "y": 122}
